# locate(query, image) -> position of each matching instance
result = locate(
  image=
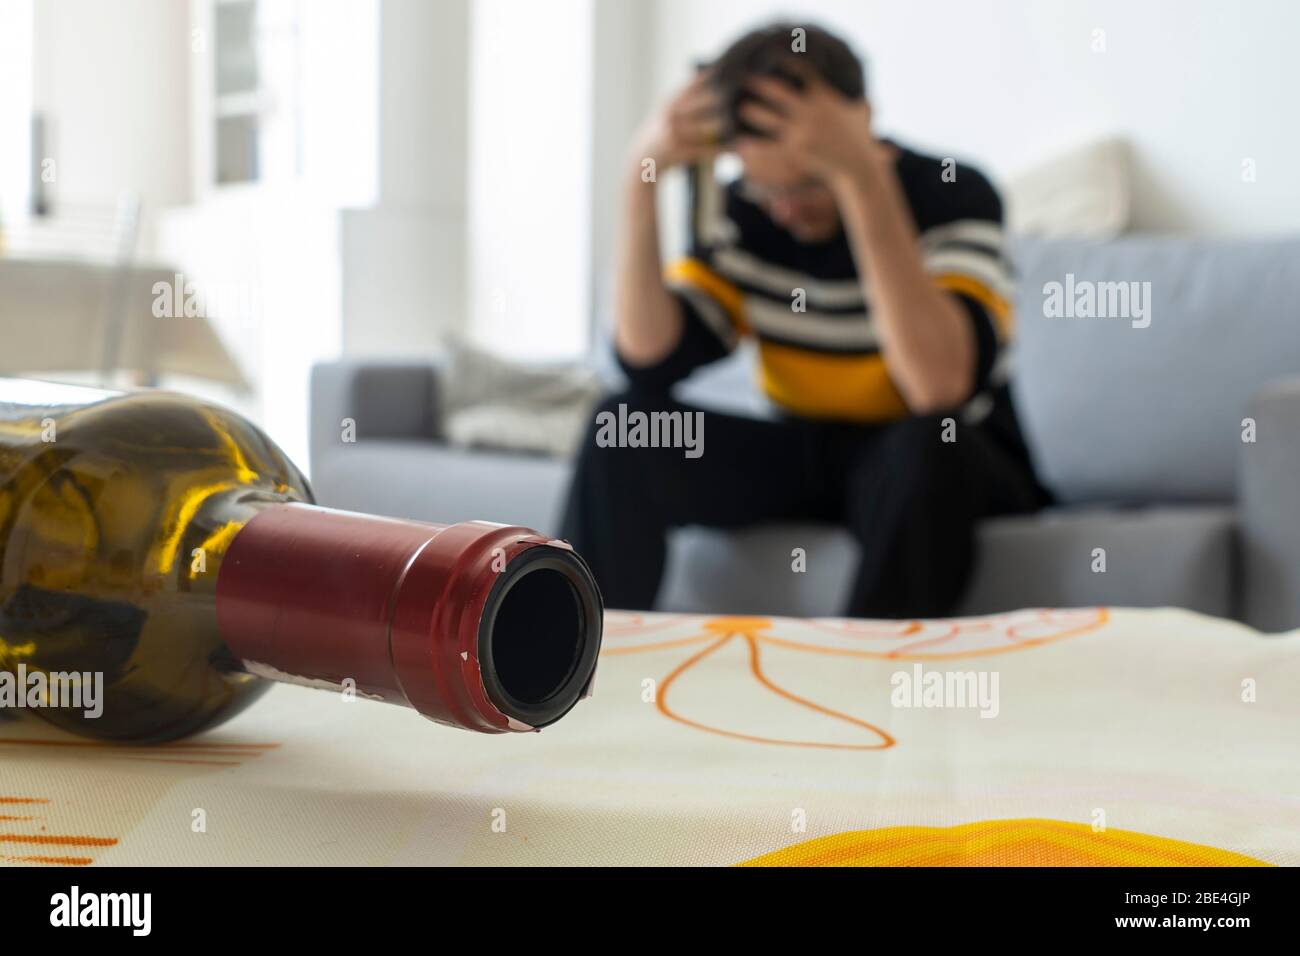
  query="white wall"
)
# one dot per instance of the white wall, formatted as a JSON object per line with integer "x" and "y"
{"x": 423, "y": 106}
{"x": 280, "y": 250}
{"x": 1195, "y": 86}
{"x": 15, "y": 107}
{"x": 503, "y": 130}
{"x": 530, "y": 175}
{"x": 404, "y": 261}
{"x": 621, "y": 96}
{"x": 111, "y": 79}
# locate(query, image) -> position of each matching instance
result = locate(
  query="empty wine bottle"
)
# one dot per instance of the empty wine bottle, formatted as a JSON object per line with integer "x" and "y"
{"x": 161, "y": 560}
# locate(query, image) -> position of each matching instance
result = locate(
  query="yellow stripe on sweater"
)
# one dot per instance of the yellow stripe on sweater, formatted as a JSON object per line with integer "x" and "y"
{"x": 997, "y": 306}
{"x": 821, "y": 385}
{"x": 695, "y": 273}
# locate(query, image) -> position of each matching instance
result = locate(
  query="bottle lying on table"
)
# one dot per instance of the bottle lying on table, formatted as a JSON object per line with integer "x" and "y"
{"x": 161, "y": 561}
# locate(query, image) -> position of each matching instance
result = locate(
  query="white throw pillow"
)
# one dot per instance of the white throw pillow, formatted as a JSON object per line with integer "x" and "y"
{"x": 493, "y": 402}
{"x": 1083, "y": 193}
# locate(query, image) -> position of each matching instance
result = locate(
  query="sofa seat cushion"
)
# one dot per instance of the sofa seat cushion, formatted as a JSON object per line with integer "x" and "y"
{"x": 1154, "y": 557}
{"x": 1159, "y": 556}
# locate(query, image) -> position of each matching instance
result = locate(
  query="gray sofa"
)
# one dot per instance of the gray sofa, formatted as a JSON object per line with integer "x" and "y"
{"x": 1138, "y": 431}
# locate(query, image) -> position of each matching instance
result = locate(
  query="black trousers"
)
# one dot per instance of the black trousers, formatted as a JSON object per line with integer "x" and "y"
{"x": 911, "y": 499}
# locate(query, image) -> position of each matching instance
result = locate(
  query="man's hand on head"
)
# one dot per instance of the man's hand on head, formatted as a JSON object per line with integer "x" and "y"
{"x": 687, "y": 129}
{"x": 827, "y": 131}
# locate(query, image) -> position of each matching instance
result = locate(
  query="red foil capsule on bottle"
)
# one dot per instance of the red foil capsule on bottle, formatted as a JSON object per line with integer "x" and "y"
{"x": 475, "y": 625}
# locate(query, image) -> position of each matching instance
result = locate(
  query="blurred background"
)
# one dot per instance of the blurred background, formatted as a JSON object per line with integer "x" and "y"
{"x": 354, "y": 178}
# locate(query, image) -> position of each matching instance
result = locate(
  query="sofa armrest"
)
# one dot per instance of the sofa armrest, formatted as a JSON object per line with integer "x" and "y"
{"x": 1269, "y": 493}
{"x": 385, "y": 399}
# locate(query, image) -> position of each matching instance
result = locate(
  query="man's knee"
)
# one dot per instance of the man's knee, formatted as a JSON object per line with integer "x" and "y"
{"x": 913, "y": 467}
{"x": 925, "y": 446}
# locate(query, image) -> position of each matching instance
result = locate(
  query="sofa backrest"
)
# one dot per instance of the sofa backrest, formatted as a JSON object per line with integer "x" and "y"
{"x": 1116, "y": 411}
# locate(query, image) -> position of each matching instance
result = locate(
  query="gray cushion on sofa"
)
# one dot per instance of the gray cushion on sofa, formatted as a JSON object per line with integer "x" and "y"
{"x": 1118, "y": 413}
{"x": 1154, "y": 557}
{"x": 1179, "y": 556}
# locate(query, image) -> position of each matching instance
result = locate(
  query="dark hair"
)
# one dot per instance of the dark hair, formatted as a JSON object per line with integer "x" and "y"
{"x": 770, "y": 51}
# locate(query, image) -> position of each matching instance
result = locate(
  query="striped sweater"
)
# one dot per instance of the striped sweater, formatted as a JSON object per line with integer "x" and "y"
{"x": 743, "y": 276}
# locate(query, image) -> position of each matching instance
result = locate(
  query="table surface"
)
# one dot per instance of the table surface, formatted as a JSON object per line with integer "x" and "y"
{"x": 1103, "y": 736}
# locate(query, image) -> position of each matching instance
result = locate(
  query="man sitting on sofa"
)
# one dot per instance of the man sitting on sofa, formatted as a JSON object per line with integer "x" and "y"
{"x": 873, "y": 281}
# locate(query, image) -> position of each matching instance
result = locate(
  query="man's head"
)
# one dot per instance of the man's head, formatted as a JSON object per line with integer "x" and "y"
{"x": 794, "y": 198}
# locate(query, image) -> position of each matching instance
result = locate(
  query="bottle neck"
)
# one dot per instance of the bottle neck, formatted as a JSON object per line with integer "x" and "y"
{"x": 475, "y": 625}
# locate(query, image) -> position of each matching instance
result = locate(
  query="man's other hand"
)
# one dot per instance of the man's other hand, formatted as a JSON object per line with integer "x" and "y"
{"x": 828, "y": 132}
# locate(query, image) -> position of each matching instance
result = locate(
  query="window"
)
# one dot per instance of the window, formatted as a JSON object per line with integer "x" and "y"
{"x": 257, "y": 90}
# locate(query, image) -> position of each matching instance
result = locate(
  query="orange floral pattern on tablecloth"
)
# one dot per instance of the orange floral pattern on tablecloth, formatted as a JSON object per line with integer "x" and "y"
{"x": 914, "y": 640}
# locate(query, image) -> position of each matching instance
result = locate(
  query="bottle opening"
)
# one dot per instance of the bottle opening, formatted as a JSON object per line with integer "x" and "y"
{"x": 539, "y": 635}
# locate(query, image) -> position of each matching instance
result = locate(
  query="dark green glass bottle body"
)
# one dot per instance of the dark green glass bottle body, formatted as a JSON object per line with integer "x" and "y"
{"x": 115, "y": 514}
{"x": 163, "y": 555}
